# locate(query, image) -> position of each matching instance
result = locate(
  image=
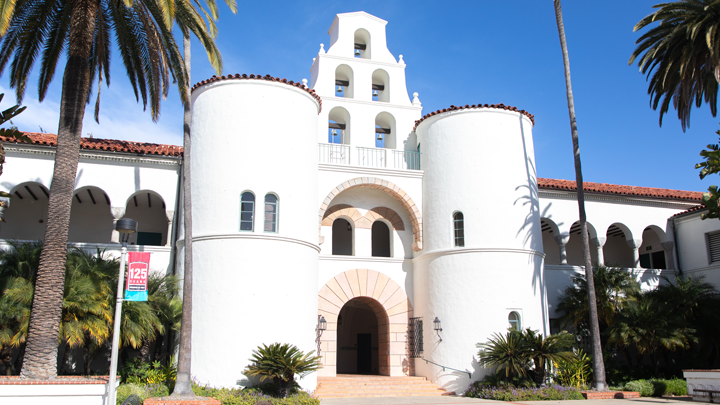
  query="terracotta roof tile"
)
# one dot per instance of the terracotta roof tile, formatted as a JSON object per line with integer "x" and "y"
{"x": 467, "y": 106}
{"x": 603, "y": 188}
{"x": 693, "y": 209}
{"x": 110, "y": 145}
{"x": 238, "y": 76}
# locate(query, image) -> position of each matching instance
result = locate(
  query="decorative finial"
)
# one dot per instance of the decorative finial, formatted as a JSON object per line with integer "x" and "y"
{"x": 322, "y": 49}
{"x": 304, "y": 82}
{"x": 401, "y": 60}
{"x": 314, "y": 60}
{"x": 416, "y": 100}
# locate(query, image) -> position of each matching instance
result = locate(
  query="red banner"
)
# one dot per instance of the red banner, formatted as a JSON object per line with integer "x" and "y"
{"x": 138, "y": 268}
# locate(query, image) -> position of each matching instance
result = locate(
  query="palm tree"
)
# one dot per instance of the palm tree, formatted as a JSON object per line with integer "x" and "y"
{"x": 544, "y": 351}
{"x": 599, "y": 383}
{"x": 613, "y": 288}
{"x": 506, "y": 352}
{"x": 683, "y": 55}
{"x": 83, "y": 30}
{"x": 165, "y": 303}
{"x": 650, "y": 327}
{"x": 279, "y": 363}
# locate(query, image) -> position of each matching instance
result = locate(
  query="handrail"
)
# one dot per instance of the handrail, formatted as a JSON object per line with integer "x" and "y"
{"x": 444, "y": 367}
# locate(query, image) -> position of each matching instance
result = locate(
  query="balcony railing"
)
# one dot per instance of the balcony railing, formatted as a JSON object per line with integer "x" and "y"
{"x": 371, "y": 157}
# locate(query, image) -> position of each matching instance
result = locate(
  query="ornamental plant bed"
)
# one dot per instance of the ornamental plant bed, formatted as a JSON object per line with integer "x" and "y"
{"x": 610, "y": 394}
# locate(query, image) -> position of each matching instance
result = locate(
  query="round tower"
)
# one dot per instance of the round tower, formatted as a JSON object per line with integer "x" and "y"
{"x": 255, "y": 239}
{"x": 480, "y": 269}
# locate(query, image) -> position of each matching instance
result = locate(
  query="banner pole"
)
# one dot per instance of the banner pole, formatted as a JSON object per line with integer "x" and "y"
{"x": 116, "y": 327}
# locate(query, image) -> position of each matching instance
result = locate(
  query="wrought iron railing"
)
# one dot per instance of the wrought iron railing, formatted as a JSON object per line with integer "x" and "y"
{"x": 403, "y": 159}
{"x": 415, "y": 336}
{"x": 373, "y": 157}
{"x": 444, "y": 367}
{"x": 334, "y": 153}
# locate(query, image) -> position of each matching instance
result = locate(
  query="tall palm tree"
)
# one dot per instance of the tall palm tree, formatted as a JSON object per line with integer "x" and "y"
{"x": 598, "y": 365}
{"x": 82, "y": 29}
{"x": 683, "y": 55}
{"x": 183, "y": 383}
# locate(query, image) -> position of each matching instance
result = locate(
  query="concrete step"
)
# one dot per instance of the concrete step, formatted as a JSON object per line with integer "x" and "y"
{"x": 349, "y": 386}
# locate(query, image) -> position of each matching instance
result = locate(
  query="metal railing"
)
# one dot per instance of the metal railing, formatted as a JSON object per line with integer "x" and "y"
{"x": 403, "y": 159}
{"x": 373, "y": 157}
{"x": 339, "y": 154}
{"x": 334, "y": 153}
{"x": 444, "y": 367}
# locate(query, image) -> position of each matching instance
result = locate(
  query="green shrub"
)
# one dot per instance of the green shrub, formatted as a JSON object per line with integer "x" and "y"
{"x": 509, "y": 393}
{"x": 644, "y": 387}
{"x": 253, "y": 396}
{"x": 144, "y": 391}
{"x": 574, "y": 372}
{"x": 669, "y": 387}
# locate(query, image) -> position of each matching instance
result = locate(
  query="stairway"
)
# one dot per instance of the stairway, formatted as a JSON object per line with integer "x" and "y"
{"x": 353, "y": 386}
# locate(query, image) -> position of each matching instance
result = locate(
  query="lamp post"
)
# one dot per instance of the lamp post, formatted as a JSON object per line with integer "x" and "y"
{"x": 125, "y": 226}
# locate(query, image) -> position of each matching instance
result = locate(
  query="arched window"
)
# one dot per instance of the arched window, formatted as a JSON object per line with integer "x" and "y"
{"x": 514, "y": 321}
{"x": 342, "y": 238}
{"x": 247, "y": 211}
{"x": 459, "y": 224}
{"x": 380, "y": 239}
{"x": 362, "y": 44}
{"x": 344, "y": 86}
{"x": 271, "y": 213}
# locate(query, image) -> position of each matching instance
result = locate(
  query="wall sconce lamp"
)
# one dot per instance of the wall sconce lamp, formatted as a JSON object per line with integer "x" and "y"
{"x": 437, "y": 327}
{"x": 321, "y": 327}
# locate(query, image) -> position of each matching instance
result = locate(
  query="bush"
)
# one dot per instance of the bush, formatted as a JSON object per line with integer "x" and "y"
{"x": 644, "y": 387}
{"x": 574, "y": 372}
{"x": 144, "y": 391}
{"x": 238, "y": 396}
{"x": 509, "y": 393}
{"x": 675, "y": 386}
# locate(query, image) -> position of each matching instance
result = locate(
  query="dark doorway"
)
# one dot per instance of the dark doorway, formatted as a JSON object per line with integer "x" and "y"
{"x": 364, "y": 353}
{"x": 380, "y": 239}
{"x": 357, "y": 338}
{"x": 342, "y": 238}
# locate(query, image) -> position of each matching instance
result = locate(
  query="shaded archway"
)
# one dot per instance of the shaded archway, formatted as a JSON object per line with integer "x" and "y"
{"x": 618, "y": 251}
{"x": 388, "y": 187}
{"x": 388, "y": 302}
{"x": 148, "y": 209}
{"x": 91, "y": 218}
{"x": 550, "y": 245}
{"x": 357, "y": 336}
{"x": 27, "y": 213}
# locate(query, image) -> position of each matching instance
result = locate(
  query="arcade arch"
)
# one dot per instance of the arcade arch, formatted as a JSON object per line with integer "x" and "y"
{"x": 148, "y": 209}
{"x": 618, "y": 251}
{"x": 372, "y": 291}
{"x": 91, "y": 219}
{"x": 26, "y": 214}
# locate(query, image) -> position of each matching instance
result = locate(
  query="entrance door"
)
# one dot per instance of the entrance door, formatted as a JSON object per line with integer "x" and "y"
{"x": 364, "y": 353}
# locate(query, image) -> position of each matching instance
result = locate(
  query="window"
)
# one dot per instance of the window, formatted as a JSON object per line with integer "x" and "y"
{"x": 514, "y": 320}
{"x": 654, "y": 260}
{"x": 271, "y": 213}
{"x": 415, "y": 337}
{"x": 247, "y": 211}
{"x": 380, "y": 235}
{"x": 342, "y": 238}
{"x": 713, "y": 244}
{"x": 459, "y": 223}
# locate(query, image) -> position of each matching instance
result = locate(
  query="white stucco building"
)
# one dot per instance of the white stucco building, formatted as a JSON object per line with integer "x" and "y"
{"x": 373, "y": 216}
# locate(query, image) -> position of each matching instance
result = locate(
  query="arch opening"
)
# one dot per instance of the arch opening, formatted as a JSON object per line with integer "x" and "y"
{"x": 148, "y": 209}
{"x": 358, "y": 337}
{"x": 26, "y": 214}
{"x": 342, "y": 238}
{"x": 381, "y": 86}
{"x": 616, "y": 251}
{"x": 575, "y": 256}
{"x": 550, "y": 245}
{"x": 362, "y": 48}
{"x": 91, "y": 219}
{"x": 381, "y": 239}
{"x": 339, "y": 126}
{"x": 344, "y": 86}
{"x": 652, "y": 254}
{"x": 385, "y": 131}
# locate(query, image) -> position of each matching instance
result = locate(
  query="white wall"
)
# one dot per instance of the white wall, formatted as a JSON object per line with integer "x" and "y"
{"x": 692, "y": 246}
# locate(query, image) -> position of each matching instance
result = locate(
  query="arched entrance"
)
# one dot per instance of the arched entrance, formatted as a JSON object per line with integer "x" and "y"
{"x": 359, "y": 302}
{"x": 357, "y": 336}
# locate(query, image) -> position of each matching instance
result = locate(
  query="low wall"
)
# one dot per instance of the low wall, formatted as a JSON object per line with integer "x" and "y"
{"x": 62, "y": 390}
{"x": 702, "y": 380}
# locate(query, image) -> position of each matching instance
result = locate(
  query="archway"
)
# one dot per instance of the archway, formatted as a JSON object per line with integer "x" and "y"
{"x": 357, "y": 336}
{"x": 391, "y": 308}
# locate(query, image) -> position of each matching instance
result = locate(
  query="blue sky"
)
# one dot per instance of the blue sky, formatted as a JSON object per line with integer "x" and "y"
{"x": 461, "y": 52}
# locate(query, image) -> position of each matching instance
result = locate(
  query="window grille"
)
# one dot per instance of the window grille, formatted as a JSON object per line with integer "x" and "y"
{"x": 415, "y": 336}
{"x": 271, "y": 213}
{"x": 459, "y": 223}
{"x": 713, "y": 243}
{"x": 247, "y": 211}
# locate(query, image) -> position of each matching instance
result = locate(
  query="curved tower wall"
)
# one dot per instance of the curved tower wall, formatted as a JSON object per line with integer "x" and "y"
{"x": 256, "y": 287}
{"x": 479, "y": 162}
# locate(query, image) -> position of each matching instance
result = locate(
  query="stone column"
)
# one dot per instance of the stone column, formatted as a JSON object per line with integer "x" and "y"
{"x": 635, "y": 245}
{"x": 117, "y": 213}
{"x": 170, "y": 217}
{"x": 599, "y": 242}
{"x": 562, "y": 241}
{"x": 669, "y": 247}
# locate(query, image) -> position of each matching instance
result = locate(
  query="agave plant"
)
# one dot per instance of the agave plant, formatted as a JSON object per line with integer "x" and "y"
{"x": 279, "y": 363}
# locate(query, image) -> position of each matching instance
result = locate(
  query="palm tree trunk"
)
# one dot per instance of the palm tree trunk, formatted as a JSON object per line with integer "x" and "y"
{"x": 145, "y": 350}
{"x": 599, "y": 383}
{"x": 183, "y": 384}
{"x": 42, "y": 342}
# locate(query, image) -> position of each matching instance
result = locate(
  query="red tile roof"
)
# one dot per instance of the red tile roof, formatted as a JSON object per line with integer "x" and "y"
{"x": 693, "y": 209}
{"x": 467, "y": 106}
{"x": 238, "y": 76}
{"x": 603, "y": 188}
{"x": 110, "y": 145}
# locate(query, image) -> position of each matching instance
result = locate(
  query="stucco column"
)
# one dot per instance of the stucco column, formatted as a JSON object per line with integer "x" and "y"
{"x": 117, "y": 213}
{"x": 669, "y": 247}
{"x": 562, "y": 241}
{"x": 599, "y": 242}
{"x": 170, "y": 218}
{"x": 635, "y": 245}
